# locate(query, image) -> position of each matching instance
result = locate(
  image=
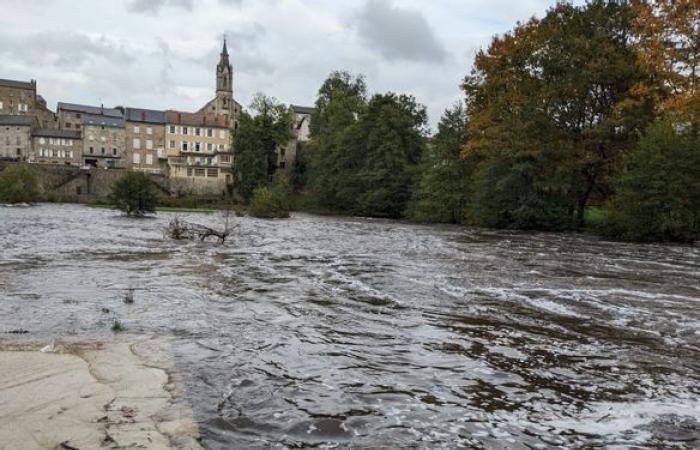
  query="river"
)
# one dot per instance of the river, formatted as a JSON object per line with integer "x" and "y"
{"x": 358, "y": 333}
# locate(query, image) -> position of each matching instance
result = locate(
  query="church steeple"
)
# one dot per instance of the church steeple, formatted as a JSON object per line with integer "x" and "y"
{"x": 224, "y": 72}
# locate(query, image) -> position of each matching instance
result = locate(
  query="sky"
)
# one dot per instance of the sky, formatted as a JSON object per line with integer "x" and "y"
{"x": 162, "y": 54}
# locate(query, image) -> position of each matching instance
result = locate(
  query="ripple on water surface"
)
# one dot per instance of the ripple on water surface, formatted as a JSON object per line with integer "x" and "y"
{"x": 361, "y": 333}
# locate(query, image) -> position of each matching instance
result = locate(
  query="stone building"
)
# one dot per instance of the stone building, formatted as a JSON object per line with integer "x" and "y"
{"x": 54, "y": 146}
{"x": 70, "y": 115}
{"x": 145, "y": 140}
{"x": 103, "y": 141}
{"x": 287, "y": 154}
{"x": 19, "y": 98}
{"x": 224, "y": 104}
{"x": 15, "y": 136}
{"x": 199, "y": 151}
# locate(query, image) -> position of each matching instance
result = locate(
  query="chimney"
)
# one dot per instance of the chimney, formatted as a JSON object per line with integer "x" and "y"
{"x": 179, "y": 118}
{"x": 102, "y": 109}
{"x": 143, "y": 115}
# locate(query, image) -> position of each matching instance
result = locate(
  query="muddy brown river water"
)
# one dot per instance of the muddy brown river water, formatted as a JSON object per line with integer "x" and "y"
{"x": 357, "y": 333}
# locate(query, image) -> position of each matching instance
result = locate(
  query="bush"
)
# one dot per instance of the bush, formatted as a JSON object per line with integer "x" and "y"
{"x": 270, "y": 202}
{"x": 134, "y": 194}
{"x": 658, "y": 195}
{"x": 18, "y": 185}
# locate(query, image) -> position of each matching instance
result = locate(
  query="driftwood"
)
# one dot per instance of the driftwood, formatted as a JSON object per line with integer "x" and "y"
{"x": 182, "y": 230}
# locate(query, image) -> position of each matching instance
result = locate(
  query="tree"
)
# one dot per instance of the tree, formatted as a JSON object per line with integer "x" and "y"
{"x": 271, "y": 202}
{"x": 134, "y": 194}
{"x": 18, "y": 185}
{"x": 658, "y": 193}
{"x": 557, "y": 101}
{"x": 441, "y": 194}
{"x": 256, "y": 143}
{"x": 341, "y": 99}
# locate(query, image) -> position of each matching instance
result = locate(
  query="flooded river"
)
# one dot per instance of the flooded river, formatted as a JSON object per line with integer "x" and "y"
{"x": 356, "y": 333}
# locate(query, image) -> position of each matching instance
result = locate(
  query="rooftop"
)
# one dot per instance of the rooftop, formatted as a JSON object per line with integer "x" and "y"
{"x": 103, "y": 121}
{"x": 17, "y": 84}
{"x": 52, "y": 132}
{"x": 302, "y": 109}
{"x": 144, "y": 115}
{"x": 16, "y": 120}
{"x": 196, "y": 119}
{"x": 87, "y": 109}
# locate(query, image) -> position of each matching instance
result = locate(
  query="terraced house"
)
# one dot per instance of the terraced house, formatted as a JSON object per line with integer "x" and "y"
{"x": 199, "y": 151}
{"x": 145, "y": 140}
{"x": 55, "y": 146}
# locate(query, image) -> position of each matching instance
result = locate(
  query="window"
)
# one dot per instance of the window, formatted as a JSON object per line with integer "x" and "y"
{"x": 149, "y": 144}
{"x": 19, "y": 151}
{"x": 103, "y": 150}
{"x": 160, "y": 152}
{"x": 114, "y": 152}
{"x": 172, "y": 129}
{"x": 189, "y": 171}
{"x": 137, "y": 143}
{"x": 77, "y": 115}
{"x": 136, "y": 130}
{"x": 222, "y": 134}
{"x": 137, "y": 158}
{"x": 70, "y": 154}
{"x": 184, "y": 146}
{"x": 42, "y": 141}
{"x": 184, "y": 131}
{"x": 210, "y": 146}
{"x": 67, "y": 124}
{"x": 77, "y": 126}
{"x": 212, "y": 173}
{"x": 19, "y": 140}
{"x": 224, "y": 158}
{"x": 172, "y": 144}
{"x": 199, "y": 171}
{"x": 149, "y": 130}
{"x": 103, "y": 139}
{"x": 149, "y": 159}
{"x": 283, "y": 151}
{"x": 92, "y": 150}
{"x": 0, "y": 105}
{"x": 196, "y": 146}
{"x": 282, "y": 164}
{"x": 197, "y": 131}
{"x": 210, "y": 132}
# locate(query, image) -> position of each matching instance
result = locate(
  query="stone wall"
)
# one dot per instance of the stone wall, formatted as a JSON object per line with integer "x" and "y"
{"x": 73, "y": 184}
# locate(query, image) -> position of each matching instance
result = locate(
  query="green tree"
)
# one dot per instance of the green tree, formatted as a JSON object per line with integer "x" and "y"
{"x": 134, "y": 194}
{"x": 442, "y": 192}
{"x": 256, "y": 143}
{"x": 271, "y": 202}
{"x": 341, "y": 99}
{"x": 658, "y": 194}
{"x": 557, "y": 101}
{"x": 18, "y": 185}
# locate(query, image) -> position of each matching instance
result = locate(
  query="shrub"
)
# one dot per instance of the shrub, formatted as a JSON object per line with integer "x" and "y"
{"x": 134, "y": 194}
{"x": 18, "y": 185}
{"x": 270, "y": 202}
{"x": 658, "y": 194}
{"x": 117, "y": 327}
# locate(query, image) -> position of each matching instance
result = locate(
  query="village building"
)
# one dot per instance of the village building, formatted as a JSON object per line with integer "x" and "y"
{"x": 103, "y": 141}
{"x": 70, "y": 115}
{"x": 287, "y": 154}
{"x": 19, "y": 98}
{"x": 54, "y": 146}
{"x": 15, "y": 136}
{"x": 145, "y": 140}
{"x": 199, "y": 151}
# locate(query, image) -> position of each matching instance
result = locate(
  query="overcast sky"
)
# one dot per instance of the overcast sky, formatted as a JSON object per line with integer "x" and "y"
{"x": 162, "y": 53}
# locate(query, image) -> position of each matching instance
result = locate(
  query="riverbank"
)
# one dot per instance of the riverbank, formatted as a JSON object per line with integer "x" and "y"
{"x": 117, "y": 393}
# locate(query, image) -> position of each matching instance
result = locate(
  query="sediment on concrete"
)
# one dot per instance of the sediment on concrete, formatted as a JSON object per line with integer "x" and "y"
{"x": 68, "y": 394}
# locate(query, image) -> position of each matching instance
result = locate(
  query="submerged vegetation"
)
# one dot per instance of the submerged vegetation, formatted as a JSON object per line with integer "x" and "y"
{"x": 18, "y": 185}
{"x": 134, "y": 194}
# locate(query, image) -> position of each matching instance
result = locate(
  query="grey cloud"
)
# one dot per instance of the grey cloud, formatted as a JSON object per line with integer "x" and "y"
{"x": 154, "y": 6}
{"x": 397, "y": 33}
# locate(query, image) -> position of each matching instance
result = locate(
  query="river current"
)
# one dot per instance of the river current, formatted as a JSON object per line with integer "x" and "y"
{"x": 356, "y": 333}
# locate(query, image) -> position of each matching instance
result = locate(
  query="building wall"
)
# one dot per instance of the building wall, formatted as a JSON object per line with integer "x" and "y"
{"x": 15, "y": 141}
{"x": 17, "y": 101}
{"x": 104, "y": 146}
{"x": 69, "y": 120}
{"x": 145, "y": 147}
{"x": 54, "y": 150}
{"x": 200, "y": 155}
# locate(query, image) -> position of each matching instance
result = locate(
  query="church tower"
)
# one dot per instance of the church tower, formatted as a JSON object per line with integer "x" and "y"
{"x": 224, "y": 84}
